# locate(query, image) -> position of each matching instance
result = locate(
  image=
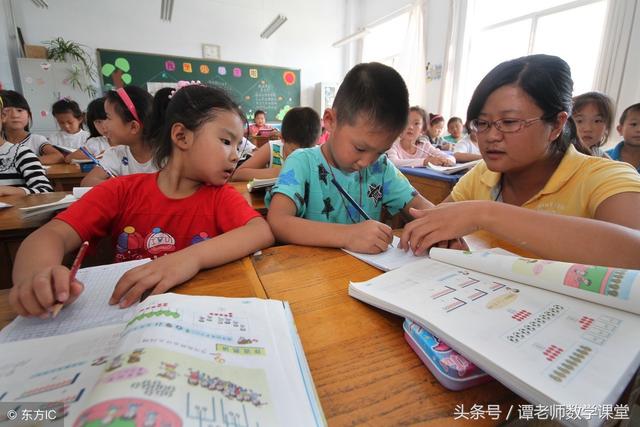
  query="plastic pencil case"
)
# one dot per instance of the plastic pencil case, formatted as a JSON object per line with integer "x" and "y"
{"x": 451, "y": 369}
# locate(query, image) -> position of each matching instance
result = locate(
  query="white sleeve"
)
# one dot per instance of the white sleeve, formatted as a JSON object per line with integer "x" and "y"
{"x": 462, "y": 147}
{"x": 112, "y": 161}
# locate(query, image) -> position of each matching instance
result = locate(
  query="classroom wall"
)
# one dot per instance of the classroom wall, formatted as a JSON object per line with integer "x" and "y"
{"x": 304, "y": 41}
{"x": 6, "y": 45}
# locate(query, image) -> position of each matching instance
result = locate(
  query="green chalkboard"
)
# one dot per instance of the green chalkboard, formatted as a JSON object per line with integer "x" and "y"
{"x": 255, "y": 87}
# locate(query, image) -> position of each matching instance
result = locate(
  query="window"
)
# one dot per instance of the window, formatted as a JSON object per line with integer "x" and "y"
{"x": 384, "y": 41}
{"x": 498, "y": 30}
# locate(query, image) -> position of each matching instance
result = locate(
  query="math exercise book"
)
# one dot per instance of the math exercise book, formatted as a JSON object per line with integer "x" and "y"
{"x": 173, "y": 360}
{"x": 555, "y": 333}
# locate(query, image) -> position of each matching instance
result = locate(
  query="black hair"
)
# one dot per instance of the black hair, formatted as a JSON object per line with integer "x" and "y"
{"x": 11, "y": 98}
{"x": 141, "y": 100}
{"x": 630, "y": 108}
{"x": 376, "y": 93}
{"x": 301, "y": 126}
{"x": 423, "y": 114}
{"x": 454, "y": 120}
{"x": 192, "y": 106}
{"x": 546, "y": 79}
{"x": 603, "y": 103}
{"x": 95, "y": 111}
{"x": 259, "y": 112}
{"x": 435, "y": 118}
{"x": 66, "y": 105}
{"x": 156, "y": 118}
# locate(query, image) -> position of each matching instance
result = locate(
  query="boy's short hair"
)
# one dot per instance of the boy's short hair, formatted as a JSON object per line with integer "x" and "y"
{"x": 258, "y": 112}
{"x": 454, "y": 120}
{"x": 630, "y": 108}
{"x": 301, "y": 126}
{"x": 376, "y": 92}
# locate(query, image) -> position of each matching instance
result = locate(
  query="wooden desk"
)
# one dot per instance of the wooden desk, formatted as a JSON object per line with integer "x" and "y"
{"x": 234, "y": 280}
{"x": 14, "y": 229}
{"x": 363, "y": 369}
{"x": 64, "y": 176}
{"x": 255, "y": 199}
{"x": 433, "y": 185}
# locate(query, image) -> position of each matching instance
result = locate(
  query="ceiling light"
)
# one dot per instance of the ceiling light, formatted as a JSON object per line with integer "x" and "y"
{"x": 166, "y": 10}
{"x": 271, "y": 28}
{"x": 41, "y": 3}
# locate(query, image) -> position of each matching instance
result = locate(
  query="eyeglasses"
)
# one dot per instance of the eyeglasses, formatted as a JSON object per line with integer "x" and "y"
{"x": 503, "y": 125}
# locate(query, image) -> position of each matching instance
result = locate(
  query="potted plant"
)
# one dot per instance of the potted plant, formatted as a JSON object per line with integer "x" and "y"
{"x": 82, "y": 72}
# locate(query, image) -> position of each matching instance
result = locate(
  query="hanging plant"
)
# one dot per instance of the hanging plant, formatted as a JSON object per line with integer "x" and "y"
{"x": 62, "y": 50}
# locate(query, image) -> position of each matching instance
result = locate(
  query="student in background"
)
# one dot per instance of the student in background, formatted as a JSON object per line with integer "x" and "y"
{"x": 97, "y": 142}
{"x": 16, "y": 121}
{"x": 20, "y": 171}
{"x": 300, "y": 129}
{"x": 593, "y": 116}
{"x": 467, "y": 149}
{"x": 70, "y": 119}
{"x": 307, "y": 208}
{"x": 535, "y": 194}
{"x": 434, "y": 132}
{"x": 127, "y": 111}
{"x": 628, "y": 150}
{"x": 184, "y": 216}
{"x": 411, "y": 150}
{"x": 259, "y": 123}
{"x": 455, "y": 128}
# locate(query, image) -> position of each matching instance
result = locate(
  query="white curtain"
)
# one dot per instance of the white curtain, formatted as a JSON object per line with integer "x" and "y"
{"x": 616, "y": 56}
{"x": 453, "y": 62}
{"x": 412, "y": 59}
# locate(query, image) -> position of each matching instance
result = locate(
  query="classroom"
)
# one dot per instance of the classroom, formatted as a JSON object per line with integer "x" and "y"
{"x": 338, "y": 212}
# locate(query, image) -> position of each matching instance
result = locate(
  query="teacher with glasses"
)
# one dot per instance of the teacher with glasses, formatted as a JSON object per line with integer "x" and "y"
{"x": 534, "y": 193}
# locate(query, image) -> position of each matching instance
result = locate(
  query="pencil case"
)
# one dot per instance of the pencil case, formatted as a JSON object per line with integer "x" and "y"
{"x": 451, "y": 369}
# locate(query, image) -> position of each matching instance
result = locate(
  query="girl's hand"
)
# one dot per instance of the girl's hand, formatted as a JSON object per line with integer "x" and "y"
{"x": 158, "y": 276}
{"x": 37, "y": 295}
{"x": 368, "y": 237}
{"x": 440, "y": 225}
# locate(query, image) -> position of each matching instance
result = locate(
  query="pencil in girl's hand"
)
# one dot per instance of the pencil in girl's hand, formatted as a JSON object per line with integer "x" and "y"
{"x": 96, "y": 161}
{"x": 72, "y": 275}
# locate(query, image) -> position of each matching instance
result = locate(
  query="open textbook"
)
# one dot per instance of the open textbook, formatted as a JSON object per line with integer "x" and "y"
{"x": 450, "y": 170}
{"x": 555, "y": 333}
{"x": 175, "y": 360}
{"x": 44, "y": 208}
{"x": 261, "y": 183}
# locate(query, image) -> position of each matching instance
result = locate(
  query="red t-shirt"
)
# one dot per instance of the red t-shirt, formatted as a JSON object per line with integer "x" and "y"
{"x": 144, "y": 223}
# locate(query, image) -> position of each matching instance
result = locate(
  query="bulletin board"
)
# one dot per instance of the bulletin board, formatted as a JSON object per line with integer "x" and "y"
{"x": 255, "y": 87}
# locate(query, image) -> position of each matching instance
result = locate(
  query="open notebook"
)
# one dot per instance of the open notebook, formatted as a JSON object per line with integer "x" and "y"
{"x": 172, "y": 360}
{"x": 555, "y": 333}
{"x": 449, "y": 170}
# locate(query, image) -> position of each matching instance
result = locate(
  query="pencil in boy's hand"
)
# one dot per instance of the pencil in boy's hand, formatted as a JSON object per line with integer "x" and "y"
{"x": 353, "y": 203}
{"x": 96, "y": 161}
{"x": 72, "y": 276}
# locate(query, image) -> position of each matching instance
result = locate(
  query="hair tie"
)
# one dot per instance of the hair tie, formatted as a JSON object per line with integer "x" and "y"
{"x": 184, "y": 83}
{"x": 124, "y": 96}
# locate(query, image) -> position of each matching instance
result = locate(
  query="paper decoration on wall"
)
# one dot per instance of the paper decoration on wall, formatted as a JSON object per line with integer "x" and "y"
{"x": 237, "y": 72}
{"x": 29, "y": 80}
{"x": 40, "y": 81}
{"x": 222, "y": 71}
{"x": 45, "y": 66}
{"x": 253, "y": 73}
{"x": 44, "y": 113}
{"x": 169, "y": 65}
{"x": 289, "y": 78}
{"x": 204, "y": 69}
{"x": 186, "y": 67}
{"x": 119, "y": 72}
{"x": 281, "y": 113}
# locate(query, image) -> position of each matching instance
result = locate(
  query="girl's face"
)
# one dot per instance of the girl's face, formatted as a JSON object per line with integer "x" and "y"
{"x": 213, "y": 149}
{"x": 117, "y": 130}
{"x": 68, "y": 122}
{"x": 513, "y": 152}
{"x": 101, "y": 126}
{"x": 455, "y": 129}
{"x": 14, "y": 118}
{"x": 414, "y": 127}
{"x": 260, "y": 119}
{"x": 435, "y": 130}
{"x": 591, "y": 125}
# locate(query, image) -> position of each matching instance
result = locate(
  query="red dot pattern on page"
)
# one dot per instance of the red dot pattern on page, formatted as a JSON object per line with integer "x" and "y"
{"x": 552, "y": 352}
{"x": 585, "y": 322}
{"x": 521, "y": 315}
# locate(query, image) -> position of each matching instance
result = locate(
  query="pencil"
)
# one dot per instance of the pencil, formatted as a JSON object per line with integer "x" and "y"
{"x": 353, "y": 203}
{"x": 72, "y": 275}
{"x": 96, "y": 161}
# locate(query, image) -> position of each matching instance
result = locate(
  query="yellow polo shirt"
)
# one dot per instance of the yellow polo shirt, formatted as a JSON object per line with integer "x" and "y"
{"x": 577, "y": 187}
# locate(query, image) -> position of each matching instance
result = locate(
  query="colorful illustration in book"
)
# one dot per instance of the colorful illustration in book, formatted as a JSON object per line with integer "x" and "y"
{"x": 128, "y": 412}
{"x": 134, "y": 357}
{"x": 225, "y": 320}
{"x": 100, "y": 361}
{"x": 504, "y": 299}
{"x": 228, "y": 389}
{"x": 115, "y": 363}
{"x": 168, "y": 370}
